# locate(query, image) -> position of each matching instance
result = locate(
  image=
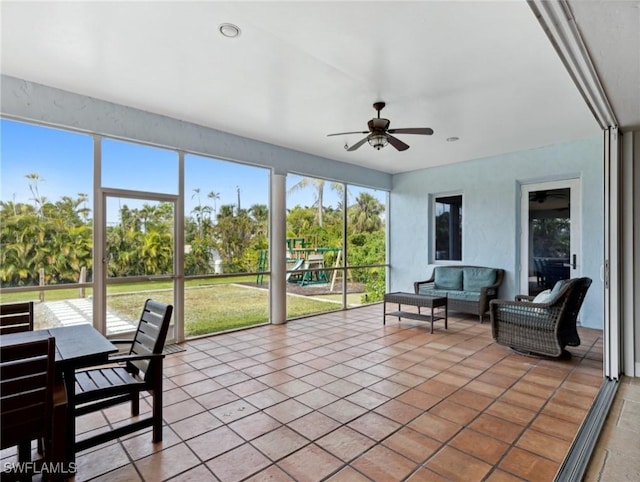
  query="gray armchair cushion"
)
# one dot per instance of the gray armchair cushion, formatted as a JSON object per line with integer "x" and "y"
{"x": 556, "y": 290}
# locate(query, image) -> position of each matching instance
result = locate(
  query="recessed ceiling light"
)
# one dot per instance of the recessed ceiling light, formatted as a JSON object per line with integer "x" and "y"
{"x": 452, "y": 139}
{"x": 229, "y": 30}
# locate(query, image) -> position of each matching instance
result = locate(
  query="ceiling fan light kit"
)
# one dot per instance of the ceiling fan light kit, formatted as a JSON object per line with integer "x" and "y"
{"x": 379, "y": 134}
{"x": 377, "y": 141}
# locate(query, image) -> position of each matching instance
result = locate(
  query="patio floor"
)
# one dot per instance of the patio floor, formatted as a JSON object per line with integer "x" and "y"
{"x": 339, "y": 396}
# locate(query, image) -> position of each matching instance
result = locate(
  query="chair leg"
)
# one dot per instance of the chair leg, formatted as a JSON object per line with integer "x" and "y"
{"x": 157, "y": 415}
{"x": 58, "y": 450}
{"x": 156, "y": 396}
{"x": 135, "y": 404}
{"x": 24, "y": 451}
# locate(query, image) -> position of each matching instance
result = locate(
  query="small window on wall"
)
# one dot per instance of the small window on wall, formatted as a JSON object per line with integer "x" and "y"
{"x": 448, "y": 228}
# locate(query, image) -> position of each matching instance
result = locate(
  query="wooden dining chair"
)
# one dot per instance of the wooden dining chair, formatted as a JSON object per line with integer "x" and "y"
{"x": 16, "y": 317}
{"x": 122, "y": 381}
{"x": 27, "y": 374}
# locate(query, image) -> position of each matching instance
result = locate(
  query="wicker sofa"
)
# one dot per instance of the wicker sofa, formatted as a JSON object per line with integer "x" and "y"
{"x": 468, "y": 289}
{"x": 541, "y": 328}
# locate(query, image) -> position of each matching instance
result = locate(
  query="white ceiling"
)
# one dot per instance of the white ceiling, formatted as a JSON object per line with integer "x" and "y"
{"x": 482, "y": 71}
{"x": 611, "y": 32}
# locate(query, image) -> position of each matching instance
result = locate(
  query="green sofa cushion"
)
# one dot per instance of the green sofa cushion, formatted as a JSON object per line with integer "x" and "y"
{"x": 452, "y": 294}
{"x": 448, "y": 278}
{"x": 474, "y": 279}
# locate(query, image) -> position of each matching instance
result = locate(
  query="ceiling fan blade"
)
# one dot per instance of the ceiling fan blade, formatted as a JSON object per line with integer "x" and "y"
{"x": 344, "y": 133}
{"x": 425, "y": 131}
{"x": 397, "y": 143}
{"x": 357, "y": 144}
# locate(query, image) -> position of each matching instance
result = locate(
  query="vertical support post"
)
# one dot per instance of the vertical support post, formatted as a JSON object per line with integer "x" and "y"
{"x": 178, "y": 260}
{"x": 612, "y": 328}
{"x": 345, "y": 250}
{"x": 278, "y": 248}
{"x": 81, "y": 281}
{"x": 99, "y": 242}
{"x": 41, "y": 283}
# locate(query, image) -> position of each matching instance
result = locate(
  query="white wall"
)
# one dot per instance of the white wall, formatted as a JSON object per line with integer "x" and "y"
{"x": 491, "y": 207}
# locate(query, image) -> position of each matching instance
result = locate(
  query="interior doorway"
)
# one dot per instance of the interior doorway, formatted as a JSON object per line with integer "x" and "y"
{"x": 550, "y": 243}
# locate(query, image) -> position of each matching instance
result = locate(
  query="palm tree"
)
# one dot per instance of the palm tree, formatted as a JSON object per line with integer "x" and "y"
{"x": 226, "y": 211}
{"x": 216, "y": 197}
{"x": 364, "y": 215}
{"x": 318, "y": 185}
{"x": 260, "y": 213}
{"x": 38, "y": 200}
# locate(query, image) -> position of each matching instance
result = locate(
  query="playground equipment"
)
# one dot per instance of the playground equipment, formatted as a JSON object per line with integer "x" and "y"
{"x": 305, "y": 264}
{"x": 311, "y": 270}
{"x": 263, "y": 262}
{"x": 291, "y": 272}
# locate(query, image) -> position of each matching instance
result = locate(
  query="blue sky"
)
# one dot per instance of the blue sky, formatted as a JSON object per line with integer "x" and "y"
{"x": 63, "y": 161}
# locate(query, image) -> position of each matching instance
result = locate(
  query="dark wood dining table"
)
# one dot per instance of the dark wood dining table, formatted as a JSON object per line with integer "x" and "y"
{"x": 77, "y": 346}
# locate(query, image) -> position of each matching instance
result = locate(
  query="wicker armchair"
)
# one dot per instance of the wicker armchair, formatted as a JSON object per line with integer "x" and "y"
{"x": 540, "y": 328}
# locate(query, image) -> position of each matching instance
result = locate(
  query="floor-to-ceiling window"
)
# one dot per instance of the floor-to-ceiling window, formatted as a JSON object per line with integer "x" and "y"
{"x": 314, "y": 245}
{"x": 366, "y": 245}
{"x": 46, "y": 221}
{"x": 336, "y": 245}
{"x": 226, "y": 261}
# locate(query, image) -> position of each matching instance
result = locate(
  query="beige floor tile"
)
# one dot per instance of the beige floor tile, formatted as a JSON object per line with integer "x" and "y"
{"x": 341, "y": 397}
{"x": 280, "y": 443}
{"x": 310, "y": 464}
{"x": 381, "y": 463}
{"x": 238, "y": 464}
{"x": 167, "y": 463}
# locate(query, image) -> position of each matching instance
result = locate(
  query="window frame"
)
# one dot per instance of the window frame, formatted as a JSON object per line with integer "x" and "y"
{"x": 434, "y": 202}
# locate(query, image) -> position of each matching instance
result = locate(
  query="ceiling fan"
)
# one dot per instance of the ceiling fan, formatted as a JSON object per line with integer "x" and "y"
{"x": 379, "y": 134}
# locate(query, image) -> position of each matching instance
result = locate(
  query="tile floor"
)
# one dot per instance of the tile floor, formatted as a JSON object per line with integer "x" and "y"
{"x": 341, "y": 397}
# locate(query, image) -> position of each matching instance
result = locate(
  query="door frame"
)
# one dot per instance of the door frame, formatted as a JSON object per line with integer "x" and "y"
{"x": 101, "y": 282}
{"x": 575, "y": 186}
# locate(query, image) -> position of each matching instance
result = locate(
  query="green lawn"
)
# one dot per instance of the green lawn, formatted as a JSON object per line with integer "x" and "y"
{"x": 211, "y": 305}
{"x": 220, "y": 307}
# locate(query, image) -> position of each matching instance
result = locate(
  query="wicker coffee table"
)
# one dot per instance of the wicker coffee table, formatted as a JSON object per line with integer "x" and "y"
{"x": 421, "y": 301}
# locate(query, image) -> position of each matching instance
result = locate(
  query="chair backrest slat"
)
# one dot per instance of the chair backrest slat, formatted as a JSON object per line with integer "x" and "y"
{"x": 26, "y": 395}
{"x": 23, "y": 384}
{"x": 151, "y": 334}
{"x": 16, "y": 317}
{"x": 144, "y": 342}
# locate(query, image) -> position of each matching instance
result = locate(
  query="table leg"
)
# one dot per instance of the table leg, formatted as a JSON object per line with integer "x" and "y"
{"x": 446, "y": 315}
{"x": 384, "y": 312}
{"x": 431, "y": 318}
